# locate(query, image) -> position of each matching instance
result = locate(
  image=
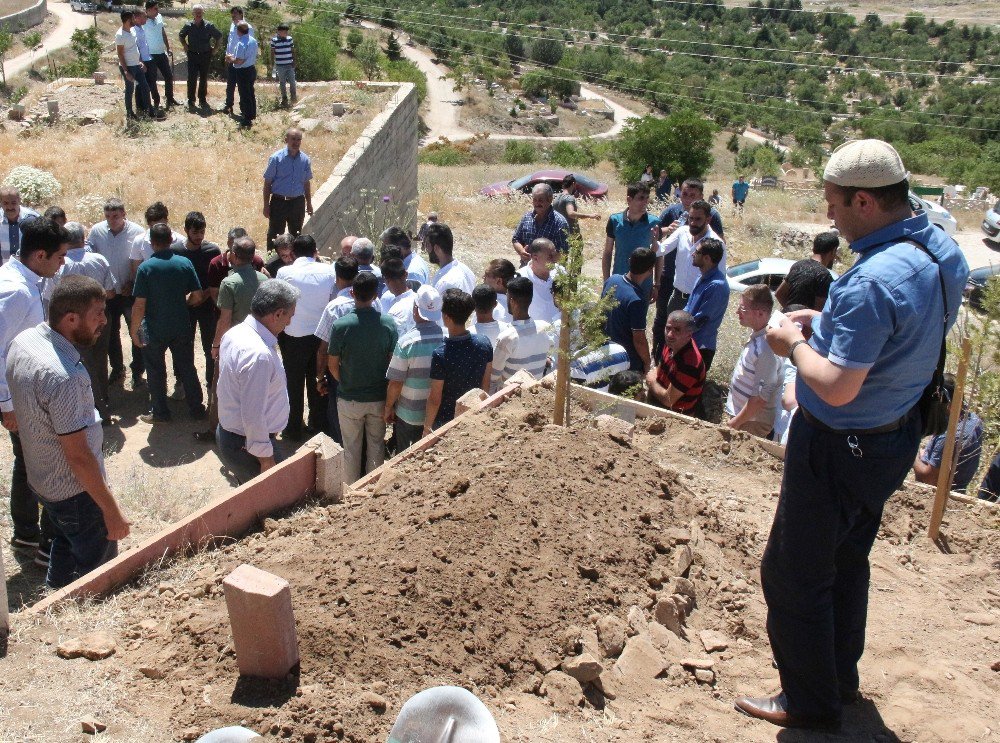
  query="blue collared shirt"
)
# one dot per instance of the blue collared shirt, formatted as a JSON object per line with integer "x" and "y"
{"x": 154, "y": 35}
{"x": 707, "y": 304}
{"x": 288, "y": 175}
{"x": 141, "y": 43}
{"x": 246, "y": 49}
{"x": 554, "y": 227}
{"x": 884, "y": 315}
{"x": 234, "y": 37}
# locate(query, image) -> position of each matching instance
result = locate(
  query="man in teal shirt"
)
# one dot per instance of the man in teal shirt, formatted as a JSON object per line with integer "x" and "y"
{"x": 361, "y": 346}
{"x": 165, "y": 285}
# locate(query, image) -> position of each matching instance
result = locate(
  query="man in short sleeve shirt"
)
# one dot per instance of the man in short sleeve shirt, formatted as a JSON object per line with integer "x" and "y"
{"x": 626, "y": 322}
{"x": 854, "y": 437}
{"x": 287, "y": 195}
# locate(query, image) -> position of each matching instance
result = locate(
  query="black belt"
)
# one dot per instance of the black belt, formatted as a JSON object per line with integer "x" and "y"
{"x": 887, "y": 428}
{"x": 683, "y": 295}
{"x": 287, "y": 198}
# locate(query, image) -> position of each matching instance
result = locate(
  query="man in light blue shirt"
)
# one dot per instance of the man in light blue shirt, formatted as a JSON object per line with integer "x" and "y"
{"x": 852, "y": 442}
{"x": 236, "y": 13}
{"x": 244, "y": 60}
{"x": 159, "y": 49}
{"x": 287, "y": 195}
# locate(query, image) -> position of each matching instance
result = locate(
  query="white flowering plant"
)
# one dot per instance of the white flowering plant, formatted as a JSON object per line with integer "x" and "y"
{"x": 35, "y": 186}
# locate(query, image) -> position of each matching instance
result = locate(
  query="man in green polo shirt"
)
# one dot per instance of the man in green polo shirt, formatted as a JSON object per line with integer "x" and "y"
{"x": 237, "y": 289}
{"x": 165, "y": 286}
{"x": 361, "y": 345}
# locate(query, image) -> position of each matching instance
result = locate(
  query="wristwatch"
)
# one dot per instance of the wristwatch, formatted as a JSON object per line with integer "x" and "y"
{"x": 791, "y": 350}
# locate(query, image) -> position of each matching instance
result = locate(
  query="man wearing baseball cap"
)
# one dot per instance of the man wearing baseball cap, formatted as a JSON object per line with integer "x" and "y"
{"x": 873, "y": 351}
{"x": 410, "y": 368}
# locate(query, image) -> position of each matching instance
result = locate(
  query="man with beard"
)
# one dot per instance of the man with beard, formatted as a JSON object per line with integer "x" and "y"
{"x": 452, "y": 273}
{"x": 61, "y": 433}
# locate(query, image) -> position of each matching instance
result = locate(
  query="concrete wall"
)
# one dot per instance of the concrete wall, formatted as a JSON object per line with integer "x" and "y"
{"x": 382, "y": 162}
{"x": 26, "y": 18}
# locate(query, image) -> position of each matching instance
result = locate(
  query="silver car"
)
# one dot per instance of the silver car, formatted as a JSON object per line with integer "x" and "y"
{"x": 991, "y": 223}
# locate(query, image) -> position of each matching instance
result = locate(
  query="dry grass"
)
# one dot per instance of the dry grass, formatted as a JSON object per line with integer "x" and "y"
{"x": 189, "y": 162}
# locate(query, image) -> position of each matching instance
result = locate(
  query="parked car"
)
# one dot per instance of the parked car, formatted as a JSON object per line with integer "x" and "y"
{"x": 991, "y": 223}
{"x": 977, "y": 282}
{"x": 936, "y": 213}
{"x": 770, "y": 271}
{"x": 82, "y": 7}
{"x": 588, "y": 187}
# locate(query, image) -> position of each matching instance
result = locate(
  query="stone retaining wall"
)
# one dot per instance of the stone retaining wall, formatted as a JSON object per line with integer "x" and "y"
{"x": 381, "y": 163}
{"x": 26, "y": 18}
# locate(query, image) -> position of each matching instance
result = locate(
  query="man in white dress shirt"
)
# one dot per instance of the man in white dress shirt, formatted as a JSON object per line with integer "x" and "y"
{"x": 317, "y": 284}
{"x": 43, "y": 248}
{"x": 685, "y": 241}
{"x": 253, "y": 395}
{"x": 398, "y": 298}
{"x": 452, "y": 273}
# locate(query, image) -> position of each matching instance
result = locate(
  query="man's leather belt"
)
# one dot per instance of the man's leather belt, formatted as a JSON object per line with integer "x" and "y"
{"x": 287, "y": 198}
{"x": 887, "y": 428}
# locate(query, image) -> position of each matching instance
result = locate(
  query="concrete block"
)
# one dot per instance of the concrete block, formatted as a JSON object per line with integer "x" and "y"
{"x": 260, "y": 613}
{"x": 329, "y": 467}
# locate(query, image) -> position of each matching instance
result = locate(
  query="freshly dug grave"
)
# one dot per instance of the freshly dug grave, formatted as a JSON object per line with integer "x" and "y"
{"x": 596, "y": 583}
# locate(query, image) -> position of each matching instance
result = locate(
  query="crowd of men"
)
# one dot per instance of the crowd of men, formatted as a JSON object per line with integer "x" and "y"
{"x": 143, "y": 48}
{"x": 376, "y": 338}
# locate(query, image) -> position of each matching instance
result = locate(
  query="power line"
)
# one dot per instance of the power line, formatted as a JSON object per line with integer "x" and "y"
{"x": 544, "y": 28}
{"x": 805, "y": 10}
{"x": 672, "y": 52}
{"x": 610, "y": 81}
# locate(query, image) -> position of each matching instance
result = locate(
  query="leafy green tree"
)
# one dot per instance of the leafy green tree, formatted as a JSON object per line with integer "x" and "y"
{"x": 354, "y": 40}
{"x": 392, "y": 49}
{"x": 6, "y": 41}
{"x": 299, "y": 8}
{"x": 369, "y": 56}
{"x": 733, "y": 144}
{"x": 440, "y": 45}
{"x": 315, "y": 54}
{"x": 513, "y": 45}
{"x": 547, "y": 52}
{"x": 681, "y": 143}
{"x": 86, "y": 47}
{"x": 387, "y": 19}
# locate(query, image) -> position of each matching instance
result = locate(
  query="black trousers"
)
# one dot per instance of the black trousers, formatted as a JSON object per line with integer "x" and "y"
{"x": 198, "y": 65}
{"x": 119, "y": 307}
{"x": 815, "y": 570}
{"x": 230, "y": 85}
{"x": 245, "y": 78}
{"x": 154, "y": 95}
{"x": 299, "y": 356}
{"x": 28, "y": 516}
{"x": 286, "y": 215}
{"x": 161, "y": 63}
{"x": 203, "y": 322}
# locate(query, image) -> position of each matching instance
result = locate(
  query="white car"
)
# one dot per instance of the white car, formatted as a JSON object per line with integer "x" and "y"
{"x": 770, "y": 271}
{"x": 936, "y": 213}
{"x": 991, "y": 223}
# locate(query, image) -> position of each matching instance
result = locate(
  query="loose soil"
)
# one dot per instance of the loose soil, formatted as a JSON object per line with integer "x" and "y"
{"x": 488, "y": 561}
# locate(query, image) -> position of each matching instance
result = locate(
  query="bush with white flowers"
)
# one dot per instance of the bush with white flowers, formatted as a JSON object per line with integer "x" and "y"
{"x": 35, "y": 186}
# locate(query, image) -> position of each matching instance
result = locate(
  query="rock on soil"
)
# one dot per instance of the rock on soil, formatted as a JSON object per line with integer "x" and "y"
{"x": 95, "y": 646}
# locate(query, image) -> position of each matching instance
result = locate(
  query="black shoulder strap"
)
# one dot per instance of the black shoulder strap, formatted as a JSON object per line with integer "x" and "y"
{"x": 944, "y": 299}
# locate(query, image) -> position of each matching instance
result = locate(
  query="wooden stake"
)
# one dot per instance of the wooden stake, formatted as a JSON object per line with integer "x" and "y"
{"x": 944, "y": 476}
{"x": 562, "y": 373}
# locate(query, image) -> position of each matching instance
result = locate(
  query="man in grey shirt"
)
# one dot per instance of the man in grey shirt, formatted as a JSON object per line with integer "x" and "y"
{"x": 113, "y": 239}
{"x": 61, "y": 433}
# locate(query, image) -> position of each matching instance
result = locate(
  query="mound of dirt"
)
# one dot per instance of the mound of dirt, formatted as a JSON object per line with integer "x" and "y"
{"x": 600, "y": 579}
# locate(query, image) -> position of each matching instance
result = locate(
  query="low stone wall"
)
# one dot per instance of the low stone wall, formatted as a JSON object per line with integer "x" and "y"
{"x": 26, "y": 18}
{"x": 375, "y": 183}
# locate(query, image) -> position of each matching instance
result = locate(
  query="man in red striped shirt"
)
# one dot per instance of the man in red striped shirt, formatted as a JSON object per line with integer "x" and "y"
{"x": 678, "y": 382}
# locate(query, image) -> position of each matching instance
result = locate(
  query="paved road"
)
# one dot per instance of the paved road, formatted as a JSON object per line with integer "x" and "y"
{"x": 69, "y": 21}
{"x": 444, "y": 103}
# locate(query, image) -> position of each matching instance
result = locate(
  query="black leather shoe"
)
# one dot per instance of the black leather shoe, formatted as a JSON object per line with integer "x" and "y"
{"x": 775, "y": 711}
{"x": 849, "y": 696}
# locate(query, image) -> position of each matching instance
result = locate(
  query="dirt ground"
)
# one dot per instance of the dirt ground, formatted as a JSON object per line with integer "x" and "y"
{"x": 489, "y": 561}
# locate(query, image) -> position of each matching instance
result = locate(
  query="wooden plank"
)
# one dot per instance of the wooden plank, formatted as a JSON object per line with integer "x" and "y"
{"x": 944, "y": 475}
{"x": 232, "y": 514}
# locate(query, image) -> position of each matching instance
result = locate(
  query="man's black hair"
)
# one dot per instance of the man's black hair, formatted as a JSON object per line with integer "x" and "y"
{"x": 126, "y": 15}
{"x": 346, "y": 267}
{"x": 41, "y": 233}
{"x": 365, "y": 286}
{"x": 634, "y": 189}
{"x": 391, "y": 253}
{"x": 440, "y": 234}
{"x": 457, "y": 305}
{"x": 702, "y": 206}
{"x": 394, "y": 269}
{"x": 624, "y": 381}
{"x": 160, "y": 236}
{"x": 55, "y": 212}
{"x": 712, "y": 248}
{"x": 695, "y": 183}
{"x": 304, "y": 246}
{"x": 641, "y": 260}
{"x": 826, "y": 242}
{"x": 157, "y": 212}
{"x": 521, "y": 290}
{"x": 195, "y": 221}
{"x": 396, "y": 236}
{"x": 484, "y": 298}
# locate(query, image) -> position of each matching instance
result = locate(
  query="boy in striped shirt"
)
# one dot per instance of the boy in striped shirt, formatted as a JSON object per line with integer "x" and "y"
{"x": 283, "y": 49}
{"x": 410, "y": 368}
{"x": 526, "y": 344}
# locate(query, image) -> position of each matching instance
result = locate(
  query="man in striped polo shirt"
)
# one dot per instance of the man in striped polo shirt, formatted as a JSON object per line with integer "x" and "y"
{"x": 678, "y": 382}
{"x": 526, "y": 344}
{"x": 284, "y": 62}
{"x": 410, "y": 368}
{"x": 756, "y": 380}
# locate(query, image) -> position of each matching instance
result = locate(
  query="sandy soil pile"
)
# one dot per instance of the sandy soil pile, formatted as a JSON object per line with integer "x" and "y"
{"x": 596, "y": 583}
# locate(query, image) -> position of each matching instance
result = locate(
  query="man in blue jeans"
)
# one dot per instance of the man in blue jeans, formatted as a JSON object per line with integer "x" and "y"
{"x": 165, "y": 286}
{"x": 852, "y": 442}
{"x": 131, "y": 67}
{"x": 61, "y": 432}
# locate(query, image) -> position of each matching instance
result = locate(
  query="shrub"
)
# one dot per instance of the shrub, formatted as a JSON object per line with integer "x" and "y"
{"x": 445, "y": 154}
{"x": 519, "y": 152}
{"x": 680, "y": 143}
{"x": 354, "y": 39}
{"x": 569, "y": 155}
{"x": 36, "y": 186}
{"x": 315, "y": 52}
{"x": 404, "y": 71}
